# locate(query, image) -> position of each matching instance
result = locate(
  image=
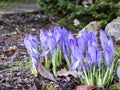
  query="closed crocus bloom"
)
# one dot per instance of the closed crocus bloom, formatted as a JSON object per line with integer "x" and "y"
{"x": 51, "y": 43}
{"x": 99, "y": 58}
{"x": 118, "y": 72}
{"x": 77, "y": 58}
{"x": 43, "y": 39}
{"x": 103, "y": 38}
{"x": 93, "y": 53}
{"x": 31, "y": 41}
{"x": 72, "y": 40}
{"x": 81, "y": 43}
{"x": 111, "y": 45}
{"x": 108, "y": 56}
{"x": 89, "y": 60}
{"x": 86, "y": 38}
{"x": 27, "y": 43}
{"x": 58, "y": 37}
{"x": 34, "y": 64}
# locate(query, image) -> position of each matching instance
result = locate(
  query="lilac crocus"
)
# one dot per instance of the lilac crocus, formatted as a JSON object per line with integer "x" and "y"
{"x": 108, "y": 56}
{"x": 86, "y": 38}
{"x": 103, "y": 38}
{"x": 58, "y": 37}
{"x": 34, "y": 61}
{"x": 43, "y": 40}
{"x": 77, "y": 58}
{"x": 111, "y": 45}
{"x": 81, "y": 43}
{"x": 118, "y": 72}
{"x": 89, "y": 60}
{"x": 93, "y": 53}
{"x": 51, "y": 42}
{"x": 99, "y": 58}
{"x": 31, "y": 41}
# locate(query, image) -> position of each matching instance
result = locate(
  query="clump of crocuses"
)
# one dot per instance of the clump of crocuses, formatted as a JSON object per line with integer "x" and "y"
{"x": 52, "y": 45}
{"x": 95, "y": 65}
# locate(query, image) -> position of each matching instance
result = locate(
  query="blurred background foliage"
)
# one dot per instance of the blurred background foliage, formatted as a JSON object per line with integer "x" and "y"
{"x": 85, "y": 11}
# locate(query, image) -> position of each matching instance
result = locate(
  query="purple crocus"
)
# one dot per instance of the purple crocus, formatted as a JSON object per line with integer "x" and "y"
{"x": 99, "y": 58}
{"x": 31, "y": 41}
{"x": 58, "y": 37}
{"x": 34, "y": 61}
{"x": 86, "y": 38}
{"x": 92, "y": 50}
{"x": 51, "y": 42}
{"x": 81, "y": 43}
{"x": 118, "y": 72}
{"x": 108, "y": 56}
{"x": 111, "y": 45}
{"x": 72, "y": 41}
{"x": 103, "y": 38}
{"x": 77, "y": 58}
{"x": 89, "y": 60}
{"x": 43, "y": 40}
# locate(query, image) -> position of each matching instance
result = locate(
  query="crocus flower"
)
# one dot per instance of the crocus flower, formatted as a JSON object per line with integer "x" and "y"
{"x": 77, "y": 58}
{"x": 43, "y": 39}
{"x": 34, "y": 64}
{"x": 86, "y": 38}
{"x": 118, "y": 72}
{"x": 99, "y": 58}
{"x": 108, "y": 56}
{"x": 58, "y": 37}
{"x": 104, "y": 39}
{"x": 72, "y": 40}
{"x": 81, "y": 43}
{"x": 93, "y": 53}
{"x": 111, "y": 45}
{"x": 31, "y": 41}
{"x": 89, "y": 60}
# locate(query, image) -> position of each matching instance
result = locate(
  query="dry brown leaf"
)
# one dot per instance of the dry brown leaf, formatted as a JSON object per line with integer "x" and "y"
{"x": 85, "y": 87}
{"x": 64, "y": 72}
{"x": 45, "y": 73}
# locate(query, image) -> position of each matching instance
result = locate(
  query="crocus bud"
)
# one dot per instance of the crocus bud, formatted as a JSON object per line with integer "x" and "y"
{"x": 118, "y": 72}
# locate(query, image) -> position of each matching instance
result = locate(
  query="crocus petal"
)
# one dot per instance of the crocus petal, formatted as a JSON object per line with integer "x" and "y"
{"x": 86, "y": 38}
{"x": 103, "y": 38}
{"x": 81, "y": 43}
{"x": 57, "y": 33}
{"x": 111, "y": 45}
{"x": 93, "y": 53}
{"x": 89, "y": 60}
{"x": 51, "y": 44}
{"x": 78, "y": 54}
{"x": 99, "y": 58}
{"x": 75, "y": 63}
{"x": 34, "y": 61}
{"x": 27, "y": 43}
{"x": 92, "y": 36}
{"x": 108, "y": 56}
{"x": 118, "y": 72}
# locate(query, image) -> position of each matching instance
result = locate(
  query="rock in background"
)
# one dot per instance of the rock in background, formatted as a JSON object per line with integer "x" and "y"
{"x": 113, "y": 28}
{"x": 91, "y": 27}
